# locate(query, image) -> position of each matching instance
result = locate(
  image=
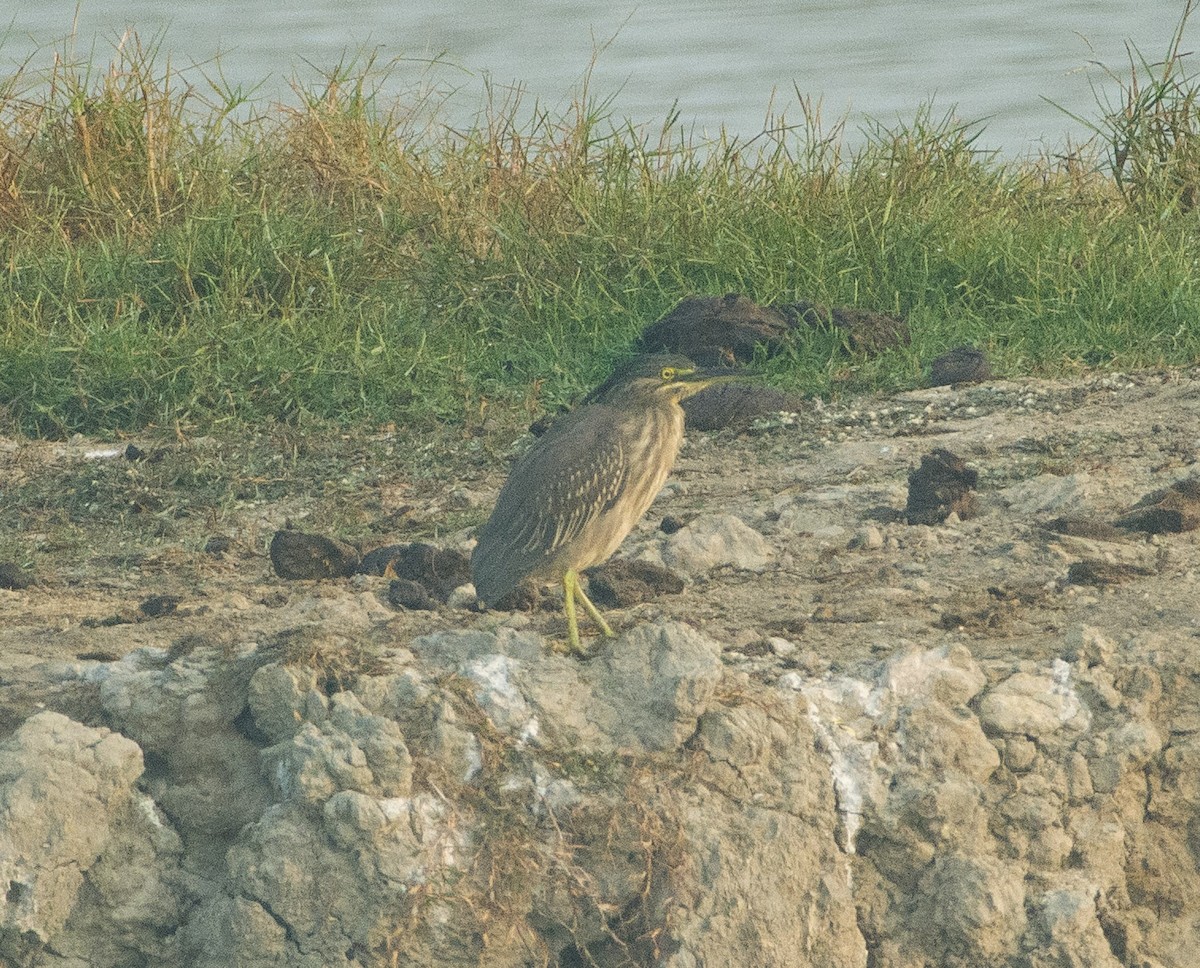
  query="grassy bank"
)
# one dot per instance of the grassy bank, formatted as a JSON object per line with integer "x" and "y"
{"x": 172, "y": 257}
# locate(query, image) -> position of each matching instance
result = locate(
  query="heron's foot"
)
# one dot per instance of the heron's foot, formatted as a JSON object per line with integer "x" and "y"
{"x": 571, "y": 590}
{"x": 570, "y": 648}
{"x": 581, "y": 648}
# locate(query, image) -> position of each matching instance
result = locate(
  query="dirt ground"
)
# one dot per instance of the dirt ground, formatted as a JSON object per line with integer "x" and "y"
{"x": 105, "y": 532}
{"x": 984, "y": 744}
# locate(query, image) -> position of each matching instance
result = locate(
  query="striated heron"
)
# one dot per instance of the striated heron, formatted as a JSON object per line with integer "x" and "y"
{"x": 571, "y": 500}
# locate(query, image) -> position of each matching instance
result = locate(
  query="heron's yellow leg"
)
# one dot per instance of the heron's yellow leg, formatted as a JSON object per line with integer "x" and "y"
{"x": 570, "y": 590}
{"x": 594, "y": 612}
{"x": 570, "y": 586}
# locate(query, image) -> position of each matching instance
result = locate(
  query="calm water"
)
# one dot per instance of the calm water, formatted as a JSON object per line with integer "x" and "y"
{"x": 993, "y": 59}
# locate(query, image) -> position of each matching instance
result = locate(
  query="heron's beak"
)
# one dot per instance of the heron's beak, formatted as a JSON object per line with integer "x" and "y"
{"x": 699, "y": 379}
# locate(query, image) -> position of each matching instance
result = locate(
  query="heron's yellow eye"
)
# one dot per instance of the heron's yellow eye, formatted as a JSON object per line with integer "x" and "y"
{"x": 668, "y": 374}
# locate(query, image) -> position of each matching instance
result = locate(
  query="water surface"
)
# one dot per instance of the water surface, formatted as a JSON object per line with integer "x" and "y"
{"x": 720, "y": 64}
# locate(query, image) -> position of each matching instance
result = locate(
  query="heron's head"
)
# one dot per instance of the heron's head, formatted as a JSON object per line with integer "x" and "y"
{"x": 656, "y": 378}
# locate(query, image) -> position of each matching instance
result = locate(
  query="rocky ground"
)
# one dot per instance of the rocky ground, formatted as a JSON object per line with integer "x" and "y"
{"x": 849, "y": 740}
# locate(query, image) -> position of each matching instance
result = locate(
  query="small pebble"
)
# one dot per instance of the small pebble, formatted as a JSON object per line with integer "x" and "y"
{"x": 868, "y": 538}
{"x": 463, "y": 596}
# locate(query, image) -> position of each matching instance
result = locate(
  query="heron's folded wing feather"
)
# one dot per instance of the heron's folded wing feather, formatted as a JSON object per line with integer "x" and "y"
{"x": 567, "y": 479}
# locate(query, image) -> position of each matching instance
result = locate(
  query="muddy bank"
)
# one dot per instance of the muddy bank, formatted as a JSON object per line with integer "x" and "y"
{"x": 849, "y": 739}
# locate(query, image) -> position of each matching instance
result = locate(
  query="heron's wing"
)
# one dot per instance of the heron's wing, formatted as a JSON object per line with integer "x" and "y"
{"x": 572, "y": 475}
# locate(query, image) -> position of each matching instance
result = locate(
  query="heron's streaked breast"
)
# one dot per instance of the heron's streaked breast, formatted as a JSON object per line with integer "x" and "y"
{"x": 647, "y": 459}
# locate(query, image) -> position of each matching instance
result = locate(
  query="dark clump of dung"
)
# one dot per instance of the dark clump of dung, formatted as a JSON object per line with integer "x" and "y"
{"x": 864, "y": 330}
{"x": 1094, "y": 571}
{"x": 406, "y": 593}
{"x": 422, "y": 573}
{"x": 941, "y": 486}
{"x": 298, "y": 555}
{"x": 729, "y": 329}
{"x": 219, "y": 545}
{"x": 717, "y": 330}
{"x": 672, "y": 523}
{"x": 150, "y": 609}
{"x": 622, "y": 583}
{"x": 525, "y": 597}
{"x": 13, "y": 577}
{"x": 963, "y": 364}
{"x": 1168, "y": 511}
{"x": 438, "y": 570}
{"x": 736, "y": 405}
{"x": 158, "y": 606}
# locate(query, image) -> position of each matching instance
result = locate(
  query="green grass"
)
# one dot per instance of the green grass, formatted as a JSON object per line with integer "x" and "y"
{"x": 175, "y": 257}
